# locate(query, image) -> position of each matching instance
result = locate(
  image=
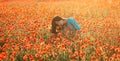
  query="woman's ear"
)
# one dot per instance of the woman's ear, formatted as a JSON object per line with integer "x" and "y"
{"x": 56, "y": 22}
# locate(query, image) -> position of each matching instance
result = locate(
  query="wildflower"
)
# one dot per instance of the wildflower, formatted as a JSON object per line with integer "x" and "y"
{"x": 36, "y": 55}
{"x": 74, "y": 55}
{"x": 93, "y": 57}
{"x": 25, "y": 57}
{"x": 2, "y": 55}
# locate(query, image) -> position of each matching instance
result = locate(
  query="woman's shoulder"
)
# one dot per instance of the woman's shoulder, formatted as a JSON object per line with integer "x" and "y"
{"x": 70, "y": 19}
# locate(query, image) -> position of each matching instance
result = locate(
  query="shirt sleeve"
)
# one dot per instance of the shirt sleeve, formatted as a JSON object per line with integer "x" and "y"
{"x": 75, "y": 24}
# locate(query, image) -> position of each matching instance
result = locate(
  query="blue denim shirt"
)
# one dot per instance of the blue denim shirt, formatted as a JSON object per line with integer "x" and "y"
{"x": 73, "y": 24}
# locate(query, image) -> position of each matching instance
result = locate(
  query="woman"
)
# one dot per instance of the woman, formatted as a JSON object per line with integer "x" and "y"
{"x": 65, "y": 25}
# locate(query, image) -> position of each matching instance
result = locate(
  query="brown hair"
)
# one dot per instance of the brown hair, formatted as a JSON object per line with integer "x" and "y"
{"x": 57, "y": 18}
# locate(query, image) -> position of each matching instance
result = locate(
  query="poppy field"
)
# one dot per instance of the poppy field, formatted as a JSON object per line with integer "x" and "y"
{"x": 25, "y": 30}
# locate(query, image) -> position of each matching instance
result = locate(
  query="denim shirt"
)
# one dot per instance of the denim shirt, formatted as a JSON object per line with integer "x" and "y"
{"x": 73, "y": 24}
